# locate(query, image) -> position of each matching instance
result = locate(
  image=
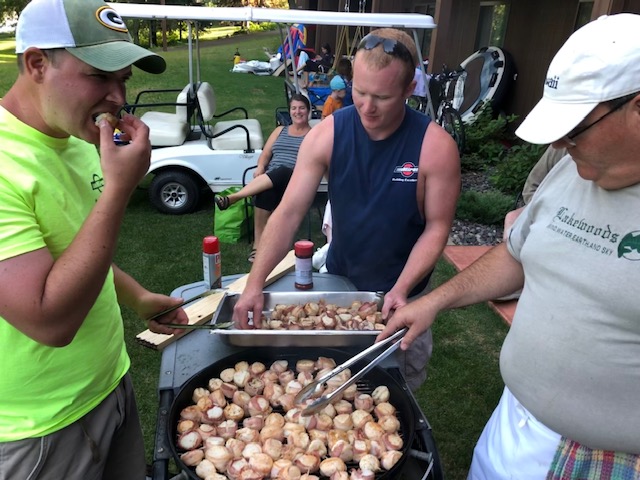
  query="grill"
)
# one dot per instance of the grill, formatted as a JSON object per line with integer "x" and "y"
{"x": 191, "y": 361}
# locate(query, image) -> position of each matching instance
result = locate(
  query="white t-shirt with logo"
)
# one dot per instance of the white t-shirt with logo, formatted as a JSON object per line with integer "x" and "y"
{"x": 572, "y": 355}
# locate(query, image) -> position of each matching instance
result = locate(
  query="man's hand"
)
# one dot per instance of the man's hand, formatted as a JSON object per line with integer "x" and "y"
{"x": 123, "y": 166}
{"x": 154, "y": 303}
{"x": 251, "y": 300}
{"x": 392, "y": 301}
{"x": 417, "y": 316}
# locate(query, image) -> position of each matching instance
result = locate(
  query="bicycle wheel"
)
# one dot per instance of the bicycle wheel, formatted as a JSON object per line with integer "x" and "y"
{"x": 451, "y": 121}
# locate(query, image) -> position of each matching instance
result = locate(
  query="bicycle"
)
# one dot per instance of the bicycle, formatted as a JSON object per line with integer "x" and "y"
{"x": 449, "y": 84}
{"x": 443, "y": 88}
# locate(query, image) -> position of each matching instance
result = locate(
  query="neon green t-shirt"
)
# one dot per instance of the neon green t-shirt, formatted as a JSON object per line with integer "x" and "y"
{"x": 48, "y": 186}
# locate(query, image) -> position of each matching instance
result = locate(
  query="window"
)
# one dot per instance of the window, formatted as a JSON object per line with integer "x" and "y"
{"x": 585, "y": 7}
{"x": 492, "y": 24}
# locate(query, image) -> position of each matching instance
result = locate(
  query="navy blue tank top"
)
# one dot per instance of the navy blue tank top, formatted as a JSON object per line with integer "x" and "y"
{"x": 374, "y": 207}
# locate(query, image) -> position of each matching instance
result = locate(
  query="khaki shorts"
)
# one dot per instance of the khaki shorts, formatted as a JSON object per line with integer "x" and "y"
{"x": 105, "y": 444}
{"x": 413, "y": 362}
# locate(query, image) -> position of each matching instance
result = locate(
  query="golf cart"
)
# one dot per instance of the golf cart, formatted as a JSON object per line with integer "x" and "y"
{"x": 196, "y": 147}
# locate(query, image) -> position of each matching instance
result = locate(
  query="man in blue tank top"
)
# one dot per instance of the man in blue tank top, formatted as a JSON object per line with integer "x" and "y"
{"x": 394, "y": 178}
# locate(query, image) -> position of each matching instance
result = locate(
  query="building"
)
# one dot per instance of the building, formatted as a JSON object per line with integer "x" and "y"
{"x": 530, "y": 31}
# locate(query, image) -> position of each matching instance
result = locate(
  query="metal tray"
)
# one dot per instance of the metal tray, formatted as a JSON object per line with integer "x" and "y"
{"x": 297, "y": 338}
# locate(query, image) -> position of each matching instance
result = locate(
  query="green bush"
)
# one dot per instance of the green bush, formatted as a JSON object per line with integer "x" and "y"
{"x": 487, "y": 208}
{"x": 261, "y": 27}
{"x": 487, "y": 139}
{"x": 511, "y": 172}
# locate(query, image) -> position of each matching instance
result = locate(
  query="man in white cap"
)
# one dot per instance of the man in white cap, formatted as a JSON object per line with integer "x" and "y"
{"x": 571, "y": 360}
{"x": 67, "y": 408}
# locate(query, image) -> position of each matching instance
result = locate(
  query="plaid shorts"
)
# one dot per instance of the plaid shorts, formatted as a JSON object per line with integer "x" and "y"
{"x": 573, "y": 461}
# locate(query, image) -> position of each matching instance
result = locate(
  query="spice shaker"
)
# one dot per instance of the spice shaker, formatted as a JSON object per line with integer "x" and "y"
{"x": 303, "y": 250}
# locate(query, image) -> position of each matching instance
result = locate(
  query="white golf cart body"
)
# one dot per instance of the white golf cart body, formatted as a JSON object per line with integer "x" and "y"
{"x": 183, "y": 166}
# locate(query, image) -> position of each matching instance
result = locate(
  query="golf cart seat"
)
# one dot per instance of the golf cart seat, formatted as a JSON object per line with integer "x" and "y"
{"x": 170, "y": 129}
{"x": 241, "y": 134}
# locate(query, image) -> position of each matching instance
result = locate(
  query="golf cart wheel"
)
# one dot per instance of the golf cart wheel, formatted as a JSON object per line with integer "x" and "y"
{"x": 174, "y": 192}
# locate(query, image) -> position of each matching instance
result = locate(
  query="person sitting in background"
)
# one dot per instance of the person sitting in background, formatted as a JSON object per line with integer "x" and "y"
{"x": 344, "y": 70}
{"x": 334, "y": 101}
{"x": 274, "y": 169}
{"x": 321, "y": 63}
{"x": 303, "y": 58}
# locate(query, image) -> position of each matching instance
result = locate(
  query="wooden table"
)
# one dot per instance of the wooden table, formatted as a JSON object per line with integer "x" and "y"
{"x": 461, "y": 256}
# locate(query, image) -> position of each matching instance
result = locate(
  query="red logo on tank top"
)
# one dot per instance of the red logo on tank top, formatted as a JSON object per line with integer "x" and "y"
{"x": 407, "y": 169}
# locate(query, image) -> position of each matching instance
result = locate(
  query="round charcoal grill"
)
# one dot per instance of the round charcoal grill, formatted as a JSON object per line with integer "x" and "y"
{"x": 399, "y": 397}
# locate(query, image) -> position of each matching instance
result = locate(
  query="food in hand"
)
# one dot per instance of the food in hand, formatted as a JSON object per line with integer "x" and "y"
{"x": 109, "y": 117}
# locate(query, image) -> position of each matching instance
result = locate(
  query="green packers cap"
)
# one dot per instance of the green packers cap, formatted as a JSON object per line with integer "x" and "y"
{"x": 90, "y": 30}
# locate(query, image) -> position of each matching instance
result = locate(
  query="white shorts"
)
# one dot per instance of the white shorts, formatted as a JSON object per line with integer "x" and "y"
{"x": 513, "y": 445}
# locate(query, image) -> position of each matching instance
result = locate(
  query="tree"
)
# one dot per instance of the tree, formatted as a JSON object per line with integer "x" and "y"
{"x": 10, "y": 9}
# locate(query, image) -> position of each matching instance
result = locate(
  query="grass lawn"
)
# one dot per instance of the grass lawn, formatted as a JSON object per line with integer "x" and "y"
{"x": 164, "y": 252}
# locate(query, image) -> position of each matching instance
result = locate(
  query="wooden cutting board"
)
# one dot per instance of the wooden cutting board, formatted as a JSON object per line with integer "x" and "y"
{"x": 203, "y": 310}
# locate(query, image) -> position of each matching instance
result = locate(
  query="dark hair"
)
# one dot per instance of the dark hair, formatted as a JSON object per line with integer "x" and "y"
{"x": 300, "y": 98}
{"x": 327, "y": 47}
{"x": 345, "y": 69}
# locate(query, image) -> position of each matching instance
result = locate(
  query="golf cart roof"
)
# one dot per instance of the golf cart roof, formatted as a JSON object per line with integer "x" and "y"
{"x": 251, "y": 14}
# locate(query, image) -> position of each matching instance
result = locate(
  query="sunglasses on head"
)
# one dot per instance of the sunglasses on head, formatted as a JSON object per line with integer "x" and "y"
{"x": 390, "y": 46}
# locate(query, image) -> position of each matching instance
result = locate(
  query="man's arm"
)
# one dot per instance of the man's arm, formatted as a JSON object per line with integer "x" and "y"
{"x": 146, "y": 303}
{"x": 438, "y": 190}
{"x": 48, "y": 299}
{"x": 312, "y": 163}
{"x": 493, "y": 275}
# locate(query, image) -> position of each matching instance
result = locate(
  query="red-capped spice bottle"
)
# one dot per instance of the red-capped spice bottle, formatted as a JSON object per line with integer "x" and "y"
{"x": 211, "y": 262}
{"x": 303, "y": 250}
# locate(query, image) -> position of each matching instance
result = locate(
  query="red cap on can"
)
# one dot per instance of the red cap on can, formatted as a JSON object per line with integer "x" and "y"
{"x": 303, "y": 248}
{"x": 210, "y": 244}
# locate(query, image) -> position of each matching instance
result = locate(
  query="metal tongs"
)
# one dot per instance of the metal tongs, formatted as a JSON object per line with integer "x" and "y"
{"x": 206, "y": 293}
{"x": 202, "y": 326}
{"x": 316, "y": 387}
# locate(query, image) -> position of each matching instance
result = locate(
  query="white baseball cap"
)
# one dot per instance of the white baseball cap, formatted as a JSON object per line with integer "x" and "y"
{"x": 599, "y": 62}
{"x": 90, "y": 30}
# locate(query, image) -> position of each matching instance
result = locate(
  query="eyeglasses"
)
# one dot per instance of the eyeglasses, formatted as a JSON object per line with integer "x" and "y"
{"x": 580, "y": 130}
{"x": 390, "y": 46}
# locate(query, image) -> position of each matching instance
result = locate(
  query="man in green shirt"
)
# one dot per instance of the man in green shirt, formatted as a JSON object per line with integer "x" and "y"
{"x": 67, "y": 408}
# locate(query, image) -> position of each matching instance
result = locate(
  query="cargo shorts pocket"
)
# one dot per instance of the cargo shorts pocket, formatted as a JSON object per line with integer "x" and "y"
{"x": 23, "y": 459}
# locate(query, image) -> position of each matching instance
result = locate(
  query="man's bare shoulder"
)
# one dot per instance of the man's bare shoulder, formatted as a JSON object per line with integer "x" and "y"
{"x": 319, "y": 141}
{"x": 439, "y": 148}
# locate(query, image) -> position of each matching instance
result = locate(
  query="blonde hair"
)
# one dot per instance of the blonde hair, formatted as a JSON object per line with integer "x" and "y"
{"x": 378, "y": 58}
